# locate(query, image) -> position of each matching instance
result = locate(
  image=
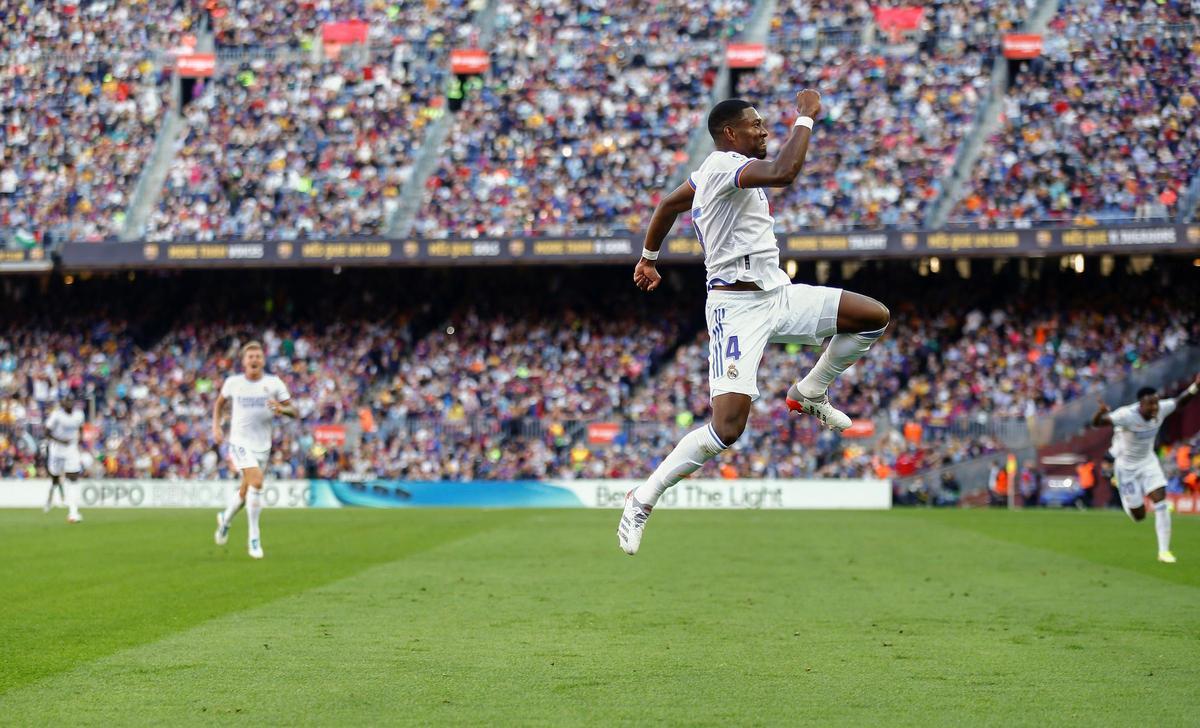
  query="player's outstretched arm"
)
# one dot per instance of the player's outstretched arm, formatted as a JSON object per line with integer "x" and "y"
{"x": 645, "y": 274}
{"x": 1101, "y": 418}
{"x": 784, "y": 168}
{"x": 1186, "y": 395}
{"x": 217, "y": 432}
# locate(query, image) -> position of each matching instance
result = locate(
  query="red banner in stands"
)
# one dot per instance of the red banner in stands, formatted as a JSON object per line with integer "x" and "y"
{"x": 859, "y": 428}
{"x": 895, "y": 20}
{"x": 1022, "y": 47}
{"x": 745, "y": 55}
{"x": 345, "y": 32}
{"x": 196, "y": 65}
{"x": 603, "y": 433}
{"x": 330, "y": 435}
{"x": 469, "y": 61}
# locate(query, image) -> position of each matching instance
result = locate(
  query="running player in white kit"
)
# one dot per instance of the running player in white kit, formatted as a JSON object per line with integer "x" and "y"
{"x": 751, "y": 301}
{"x": 256, "y": 398}
{"x": 1137, "y": 471}
{"x": 63, "y": 428}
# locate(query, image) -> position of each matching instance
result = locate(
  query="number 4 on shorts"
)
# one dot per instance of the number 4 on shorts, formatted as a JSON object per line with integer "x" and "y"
{"x": 731, "y": 350}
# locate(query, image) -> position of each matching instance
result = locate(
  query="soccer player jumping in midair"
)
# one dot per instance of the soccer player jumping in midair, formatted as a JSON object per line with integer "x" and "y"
{"x": 1137, "y": 471}
{"x": 751, "y": 301}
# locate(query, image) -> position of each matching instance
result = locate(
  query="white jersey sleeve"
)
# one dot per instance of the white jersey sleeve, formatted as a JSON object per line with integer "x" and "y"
{"x": 721, "y": 176}
{"x": 1125, "y": 417}
{"x": 280, "y": 389}
{"x": 1166, "y": 407}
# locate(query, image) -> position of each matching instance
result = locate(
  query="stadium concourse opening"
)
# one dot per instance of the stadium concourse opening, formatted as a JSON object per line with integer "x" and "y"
{"x": 487, "y": 373}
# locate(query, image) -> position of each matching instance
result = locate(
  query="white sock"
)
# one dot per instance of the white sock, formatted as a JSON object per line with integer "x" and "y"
{"x": 696, "y": 448}
{"x": 70, "y": 494}
{"x": 1162, "y": 525}
{"x": 843, "y": 351}
{"x": 235, "y": 505}
{"x": 254, "y": 508}
{"x": 50, "y": 497}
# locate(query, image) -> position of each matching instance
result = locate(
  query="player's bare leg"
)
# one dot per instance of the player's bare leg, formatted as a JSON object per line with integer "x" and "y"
{"x": 1162, "y": 524}
{"x": 730, "y": 413}
{"x": 55, "y": 484}
{"x": 253, "y": 478}
{"x": 860, "y": 323}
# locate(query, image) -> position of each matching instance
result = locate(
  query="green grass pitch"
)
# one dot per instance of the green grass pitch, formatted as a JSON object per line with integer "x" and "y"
{"x": 362, "y": 617}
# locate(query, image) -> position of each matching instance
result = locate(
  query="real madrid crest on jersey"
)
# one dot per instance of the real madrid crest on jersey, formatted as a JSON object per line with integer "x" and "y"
{"x": 731, "y": 372}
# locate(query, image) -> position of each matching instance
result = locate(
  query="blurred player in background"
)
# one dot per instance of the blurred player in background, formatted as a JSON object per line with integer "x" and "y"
{"x": 62, "y": 458}
{"x": 751, "y": 300}
{"x": 256, "y": 397}
{"x": 1138, "y": 473}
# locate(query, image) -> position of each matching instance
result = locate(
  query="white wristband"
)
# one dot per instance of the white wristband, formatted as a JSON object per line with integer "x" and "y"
{"x": 1193, "y": 390}
{"x": 804, "y": 121}
{"x": 650, "y": 254}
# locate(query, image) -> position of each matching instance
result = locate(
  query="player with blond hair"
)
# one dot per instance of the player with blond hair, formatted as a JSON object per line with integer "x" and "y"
{"x": 255, "y": 397}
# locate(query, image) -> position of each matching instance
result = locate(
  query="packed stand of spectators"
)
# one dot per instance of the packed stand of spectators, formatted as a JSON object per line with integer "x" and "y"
{"x": 477, "y": 392}
{"x": 298, "y": 24}
{"x": 92, "y": 28}
{"x": 805, "y": 23}
{"x": 81, "y": 98}
{"x": 887, "y": 136}
{"x": 1103, "y": 126}
{"x": 583, "y": 119}
{"x": 296, "y": 149}
{"x": 952, "y": 363}
{"x": 150, "y": 363}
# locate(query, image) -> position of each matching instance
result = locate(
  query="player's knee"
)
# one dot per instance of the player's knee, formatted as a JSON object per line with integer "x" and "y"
{"x": 860, "y": 314}
{"x": 729, "y": 429}
{"x": 1138, "y": 514}
{"x": 875, "y": 317}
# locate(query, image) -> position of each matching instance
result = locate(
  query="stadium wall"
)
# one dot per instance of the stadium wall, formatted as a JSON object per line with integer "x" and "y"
{"x": 1181, "y": 239}
{"x": 691, "y": 494}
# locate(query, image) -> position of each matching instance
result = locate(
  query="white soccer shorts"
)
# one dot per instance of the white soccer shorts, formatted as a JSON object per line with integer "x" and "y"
{"x": 63, "y": 459}
{"x": 243, "y": 457}
{"x": 1139, "y": 480}
{"x": 742, "y": 323}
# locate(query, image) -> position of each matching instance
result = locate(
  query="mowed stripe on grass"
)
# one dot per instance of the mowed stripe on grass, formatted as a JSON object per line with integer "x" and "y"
{"x": 534, "y": 617}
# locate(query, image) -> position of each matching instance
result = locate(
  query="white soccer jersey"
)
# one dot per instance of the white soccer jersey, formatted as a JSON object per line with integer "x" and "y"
{"x": 250, "y": 425}
{"x": 65, "y": 426}
{"x": 734, "y": 225}
{"x": 1118, "y": 439}
{"x": 1134, "y": 441}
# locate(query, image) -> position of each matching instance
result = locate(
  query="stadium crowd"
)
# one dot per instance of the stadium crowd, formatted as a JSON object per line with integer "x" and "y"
{"x": 82, "y": 96}
{"x": 287, "y": 149}
{"x": 889, "y": 131}
{"x": 250, "y": 23}
{"x": 583, "y": 119}
{"x": 1076, "y": 147}
{"x": 465, "y": 391}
